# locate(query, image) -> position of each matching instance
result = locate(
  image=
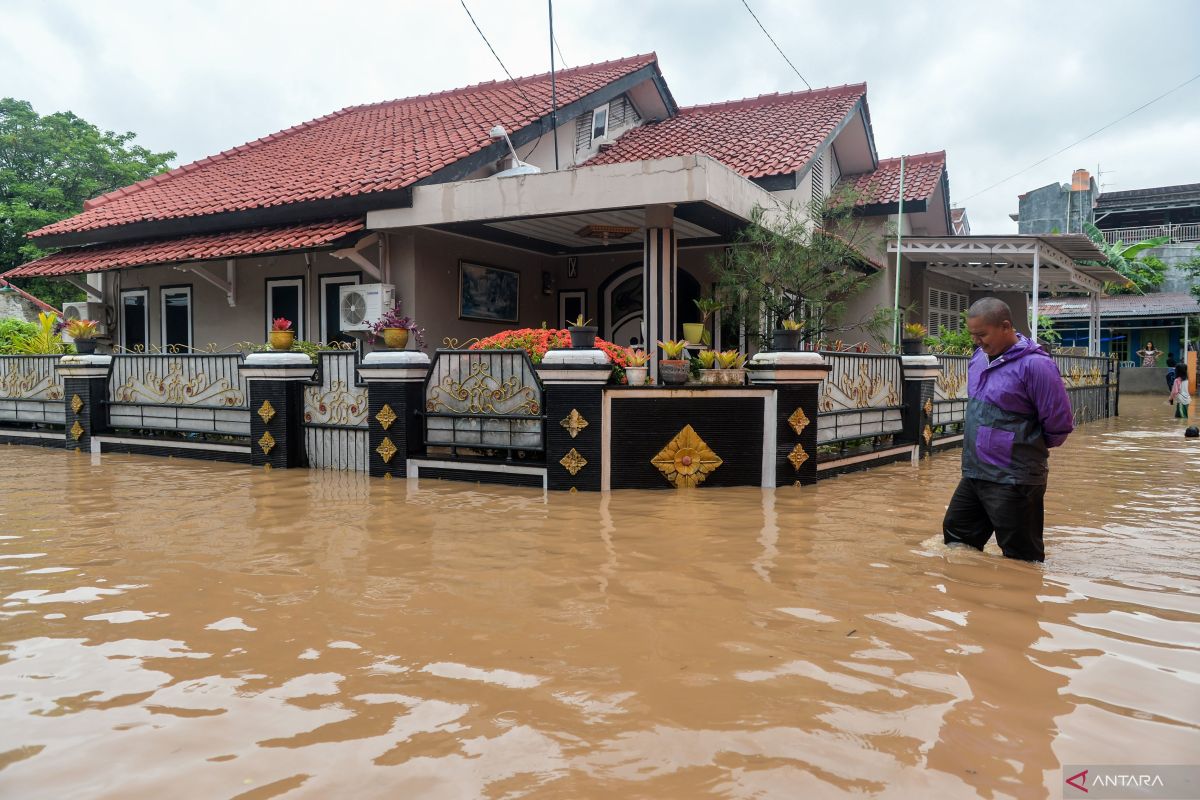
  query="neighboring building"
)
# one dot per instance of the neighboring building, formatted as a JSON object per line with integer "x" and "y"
{"x": 959, "y": 224}
{"x": 20, "y": 304}
{"x": 1129, "y": 321}
{"x": 1057, "y": 208}
{"x": 417, "y": 194}
{"x": 1139, "y": 214}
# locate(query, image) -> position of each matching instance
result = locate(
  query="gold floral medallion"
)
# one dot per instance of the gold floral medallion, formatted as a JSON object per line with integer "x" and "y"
{"x": 386, "y": 416}
{"x": 77, "y": 430}
{"x": 387, "y": 450}
{"x": 76, "y": 404}
{"x": 574, "y": 422}
{"x": 266, "y": 442}
{"x": 687, "y": 459}
{"x": 573, "y": 462}
{"x": 266, "y": 412}
{"x": 798, "y": 420}
{"x": 798, "y": 456}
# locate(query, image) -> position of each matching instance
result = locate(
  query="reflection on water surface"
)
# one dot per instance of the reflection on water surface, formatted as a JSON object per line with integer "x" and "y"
{"x": 182, "y": 629}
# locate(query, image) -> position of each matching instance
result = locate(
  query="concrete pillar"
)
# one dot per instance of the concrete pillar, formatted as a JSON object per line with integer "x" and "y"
{"x": 573, "y": 385}
{"x": 85, "y": 393}
{"x": 395, "y": 394}
{"x": 920, "y": 372}
{"x": 796, "y": 378}
{"x": 660, "y": 255}
{"x": 277, "y": 383}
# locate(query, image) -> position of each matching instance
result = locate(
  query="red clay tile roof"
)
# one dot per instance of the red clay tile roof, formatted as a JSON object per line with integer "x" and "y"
{"x": 922, "y": 174}
{"x": 201, "y": 247}
{"x": 768, "y": 135}
{"x": 357, "y": 150}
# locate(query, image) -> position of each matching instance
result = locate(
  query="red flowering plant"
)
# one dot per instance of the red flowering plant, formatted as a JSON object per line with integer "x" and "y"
{"x": 281, "y": 324}
{"x": 536, "y": 341}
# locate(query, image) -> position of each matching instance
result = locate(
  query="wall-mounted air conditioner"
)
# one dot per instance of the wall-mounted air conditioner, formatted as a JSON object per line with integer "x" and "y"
{"x": 86, "y": 310}
{"x": 360, "y": 304}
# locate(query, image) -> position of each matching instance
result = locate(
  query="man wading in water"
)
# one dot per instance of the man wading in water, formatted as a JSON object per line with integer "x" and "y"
{"x": 1017, "y": 410}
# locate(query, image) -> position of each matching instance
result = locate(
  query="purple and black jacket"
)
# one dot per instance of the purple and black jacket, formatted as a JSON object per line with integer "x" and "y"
{"x": 1017, "y": 410}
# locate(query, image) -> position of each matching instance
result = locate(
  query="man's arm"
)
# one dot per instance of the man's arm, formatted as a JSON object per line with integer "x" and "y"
{"x": 1049, "y": 397}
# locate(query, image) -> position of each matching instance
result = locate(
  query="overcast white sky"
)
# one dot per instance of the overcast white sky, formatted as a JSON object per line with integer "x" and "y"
{"x": 998, "y": 85}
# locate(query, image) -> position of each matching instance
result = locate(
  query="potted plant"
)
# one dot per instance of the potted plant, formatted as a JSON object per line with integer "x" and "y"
{"x": 281, "y": 336}
{"x": 637, "y": 369}
{"x": 394, "y": 328}
{"x": 83, "y": 331}
{"x": 697, "y": 332}
{"x": 731, "y": 367}
{"x": 674, "y": 369}
{"x": 913, "y": 341}
{"x": 787, "y": 337}
{"x": 708, "y": 366}
{"x": 583, "y": 333}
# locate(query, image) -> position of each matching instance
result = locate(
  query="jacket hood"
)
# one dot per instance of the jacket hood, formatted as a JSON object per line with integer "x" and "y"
{"x": 1022, "y": 348}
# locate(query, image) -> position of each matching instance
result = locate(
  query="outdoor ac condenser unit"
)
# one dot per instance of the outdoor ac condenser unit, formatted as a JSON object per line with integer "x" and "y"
{"x": 360, "y": 304}
{"x": 89, "y": 310}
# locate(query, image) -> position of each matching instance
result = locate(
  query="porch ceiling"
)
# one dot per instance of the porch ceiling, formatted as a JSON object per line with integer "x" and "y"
{"x": 564, "y": 231}
{"x": 1006, "y": 262}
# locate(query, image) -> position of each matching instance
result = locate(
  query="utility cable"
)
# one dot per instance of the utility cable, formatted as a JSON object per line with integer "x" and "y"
{"x": 777, "y": 47}
{"x": 1084, "y": 139}
{"x": 511, "y": 79}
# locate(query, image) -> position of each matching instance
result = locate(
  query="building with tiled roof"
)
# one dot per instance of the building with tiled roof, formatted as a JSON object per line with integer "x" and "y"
{"x": 484, "y": 208}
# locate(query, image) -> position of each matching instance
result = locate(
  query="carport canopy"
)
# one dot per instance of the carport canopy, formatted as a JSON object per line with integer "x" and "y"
{"x": 1027, "y": 263}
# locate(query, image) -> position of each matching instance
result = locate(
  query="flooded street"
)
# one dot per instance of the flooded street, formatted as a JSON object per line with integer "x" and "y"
{"x": 196, "y": 630}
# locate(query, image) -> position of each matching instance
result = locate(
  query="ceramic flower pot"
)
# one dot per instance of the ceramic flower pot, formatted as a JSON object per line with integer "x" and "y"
{"x": 85, "y": 346}
{"x": 583, "y": 337}
{"x": 785, "y": 340}
{"x": 282, "y": 340}
{"x": 636, "y": 376}
{"x": 695, "y": 333}
{"x": 710, "y": 376}
{"x": 674, "y": 372}
{"x": 731, "y": 377}
{"x": 395, "y": 338}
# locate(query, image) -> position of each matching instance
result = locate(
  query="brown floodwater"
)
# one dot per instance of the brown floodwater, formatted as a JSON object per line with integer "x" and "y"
{"x": 171, "y": 628}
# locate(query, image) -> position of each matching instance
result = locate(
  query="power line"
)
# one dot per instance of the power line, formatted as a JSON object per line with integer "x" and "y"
{"x": 558, "y": 47}
{"x": 785, "y": 58}
{"x": 511, "y": 79}
{"x": 1084, "y": 139}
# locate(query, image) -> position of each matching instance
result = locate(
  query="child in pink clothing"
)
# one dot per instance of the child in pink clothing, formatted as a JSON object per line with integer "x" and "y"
{"x": 1180, "y": 395}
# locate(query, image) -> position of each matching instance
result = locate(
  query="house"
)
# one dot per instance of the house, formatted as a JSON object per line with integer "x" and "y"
{"x": 1129, "y": 321}
{"x": 611, "y": 207}
{"x": 16, "y": 303}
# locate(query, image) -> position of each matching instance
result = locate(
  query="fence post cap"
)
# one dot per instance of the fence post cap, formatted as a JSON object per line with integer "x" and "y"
{"x": 926, "y": 360}
{"x": 85, "y": 361}
{"x": 396, "y": 358}
{"x": 773, "y": 359}
{"x": 278, "y": 360}
{"x": 589, "y": 357}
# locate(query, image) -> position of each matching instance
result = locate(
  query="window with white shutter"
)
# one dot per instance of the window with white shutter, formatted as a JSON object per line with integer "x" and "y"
{"x": 945, "y": 310}
{"x": 818, "y": 180}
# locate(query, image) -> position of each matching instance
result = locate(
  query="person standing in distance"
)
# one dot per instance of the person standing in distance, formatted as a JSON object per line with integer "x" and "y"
{"x": 1017, "y": 410}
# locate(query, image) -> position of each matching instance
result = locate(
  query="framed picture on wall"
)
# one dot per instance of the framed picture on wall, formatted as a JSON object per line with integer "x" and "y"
{"x": 489, "y": 294}
{"x": 571, "y": 303}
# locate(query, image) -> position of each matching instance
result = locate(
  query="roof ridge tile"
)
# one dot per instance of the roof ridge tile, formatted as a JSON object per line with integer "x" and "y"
{"x": 775, "y": 98}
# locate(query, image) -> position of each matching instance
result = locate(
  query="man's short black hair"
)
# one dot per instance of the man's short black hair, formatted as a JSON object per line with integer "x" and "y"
{"x": 1192, "y": 432}
{"x": 991, "y": 310}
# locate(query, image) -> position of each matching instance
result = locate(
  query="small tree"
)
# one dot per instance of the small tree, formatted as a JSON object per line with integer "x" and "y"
{"x": 1142, "y": 272}
{"x": 791, "y": 265}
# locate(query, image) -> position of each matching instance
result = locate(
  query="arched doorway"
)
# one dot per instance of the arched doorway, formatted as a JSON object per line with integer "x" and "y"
{"x": 621, "y": 305}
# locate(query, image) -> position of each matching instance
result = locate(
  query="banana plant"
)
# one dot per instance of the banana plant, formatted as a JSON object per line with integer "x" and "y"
{"x": 1141, "y": 272}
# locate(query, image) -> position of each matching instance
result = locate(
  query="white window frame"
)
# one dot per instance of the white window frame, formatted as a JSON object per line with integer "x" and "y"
{"x": 607, "y": 119}
{"x": 329, "y": 280}
{"x": 948, "y": 313}
{"x": 145, "y": 294}
{"x": 162, "y": 313}
{"x": 297, "y": 324}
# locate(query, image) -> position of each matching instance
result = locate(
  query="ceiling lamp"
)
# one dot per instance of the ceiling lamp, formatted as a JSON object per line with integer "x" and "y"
{"x": 606, "y": 233}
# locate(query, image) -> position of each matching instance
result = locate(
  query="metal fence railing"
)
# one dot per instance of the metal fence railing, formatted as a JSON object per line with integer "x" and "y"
{"x": 31, "y": 391}
{"x": 950, "y": 395}
{"x": 484, "y": 400}
{"x": 335, "y": 414}
{"x": 1092, "y": 385}
{"x": 1185, "y": 232}
{"x": 860, "y": 397}
{"x": 181, "y": 392}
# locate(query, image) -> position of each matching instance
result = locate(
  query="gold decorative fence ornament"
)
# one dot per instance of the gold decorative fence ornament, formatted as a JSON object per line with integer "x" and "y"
{"x": 864, "y": 387}
{"x": 482, "y": 393}
{"x": 266, "y": 442}
{"x": 798, "y": 456}
{"x": 172, "y": 388}
{"x": 928, "y": 406}
{"x": 30, "y": 384}
{"x": 266, "y": 411}
{"x": 687, "y": 460}
{"x": 798, "y": 420}
{"x": 952, "y": 381}
{"x": 387, "y": 450}
{"x": 386, "y": 416}
{"x": 451, "y": 343}
{"x": 573, "y": 461}
{"x": 77, "y": 430}
{"x": 76, "y": 403}
{"x": 574, "y": 422}
{"x": 927, "y": 435}
{"x": 337, "y": 405}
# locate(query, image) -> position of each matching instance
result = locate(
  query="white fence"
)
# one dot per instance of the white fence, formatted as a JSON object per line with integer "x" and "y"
{"x": 335, "y": 415}
{"x": 184, "y": 392}
{"x": 860, "y": 397}
{"x": 31, "y": 390}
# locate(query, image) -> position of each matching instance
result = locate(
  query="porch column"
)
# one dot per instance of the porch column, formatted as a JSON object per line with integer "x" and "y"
{"x": 1094, "y": 324}
{"x": 574, "y": 394}
{"x": 395, "y": 388}
{"x": 920, "y": 372}
{"x": 277, "y": 383}
{"x": 85, "y": 394}
{"x": 660, "y": 255}
{"x": 796, "y": 377}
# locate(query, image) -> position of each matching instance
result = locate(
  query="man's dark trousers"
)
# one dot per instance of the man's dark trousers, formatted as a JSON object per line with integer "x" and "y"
{"x": 1014, "y": 512}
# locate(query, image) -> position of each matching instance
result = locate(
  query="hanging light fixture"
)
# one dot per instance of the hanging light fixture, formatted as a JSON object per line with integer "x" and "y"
{"x": 606, "y": 233}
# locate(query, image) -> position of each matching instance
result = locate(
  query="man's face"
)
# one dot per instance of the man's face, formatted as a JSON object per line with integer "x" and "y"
{"x": 994, "y": 339}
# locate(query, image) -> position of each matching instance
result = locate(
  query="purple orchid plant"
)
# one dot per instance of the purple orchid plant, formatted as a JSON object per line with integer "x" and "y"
{"x": 393, "y": 318}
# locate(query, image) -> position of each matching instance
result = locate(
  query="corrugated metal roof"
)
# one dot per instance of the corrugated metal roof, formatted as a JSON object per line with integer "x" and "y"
{"x": 1124, "y": 305}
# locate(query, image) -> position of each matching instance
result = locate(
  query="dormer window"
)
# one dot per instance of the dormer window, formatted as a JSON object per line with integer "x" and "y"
{"x": 600, "y": 123}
